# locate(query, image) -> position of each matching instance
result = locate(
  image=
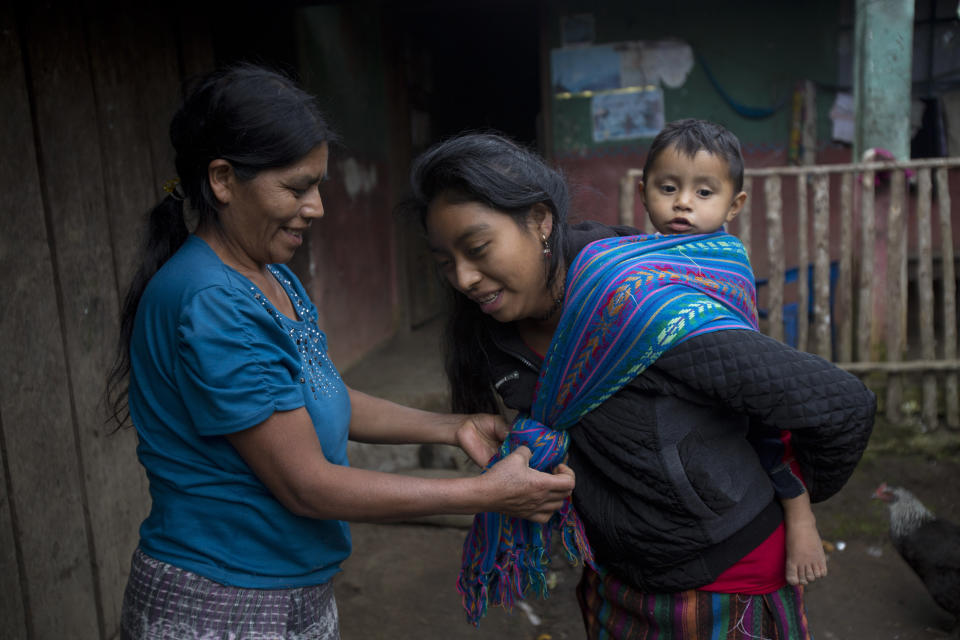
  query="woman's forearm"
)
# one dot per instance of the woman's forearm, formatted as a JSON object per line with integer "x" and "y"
{"x": 380, "y": 421}
{"x": 285, "y": 454}
{"x": 361, "y": 495}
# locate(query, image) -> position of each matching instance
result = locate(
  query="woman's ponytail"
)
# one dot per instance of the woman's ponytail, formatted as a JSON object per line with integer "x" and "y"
{"x": 166, "y": 233}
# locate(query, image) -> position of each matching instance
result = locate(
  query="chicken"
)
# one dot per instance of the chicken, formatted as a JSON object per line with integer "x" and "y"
{"x": 930, "y": 545}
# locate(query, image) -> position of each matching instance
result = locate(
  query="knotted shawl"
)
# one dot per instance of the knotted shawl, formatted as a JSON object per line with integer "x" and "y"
{"x": 628, "y": 299}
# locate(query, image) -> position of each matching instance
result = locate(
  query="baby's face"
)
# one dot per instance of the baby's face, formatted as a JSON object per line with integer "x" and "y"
{"x": 687, "y": 195}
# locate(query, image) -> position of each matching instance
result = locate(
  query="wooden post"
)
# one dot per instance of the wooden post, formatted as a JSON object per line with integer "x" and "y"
{"x": 947, "y": 280}
{"x": 823, "y": 320}
{"x": 774, "y": 199}
{"x": 894, "y": 301}
{"x": 882, "y": 59}
{"x": 743, "y": 220}
{"x": 843, "y": 311}
{"x": 925, "y": 288}
{"x": 865, "y": 316}
{"x": 904, "y": 259}
{"x": 803, "y": 281}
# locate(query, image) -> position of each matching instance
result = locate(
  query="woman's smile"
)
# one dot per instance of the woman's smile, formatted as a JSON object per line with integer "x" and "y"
{"x": 295, "y": 235}
{"x": 489, "y": 303}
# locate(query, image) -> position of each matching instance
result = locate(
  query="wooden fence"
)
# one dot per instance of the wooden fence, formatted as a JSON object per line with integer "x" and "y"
{"x": 843, "y": 324}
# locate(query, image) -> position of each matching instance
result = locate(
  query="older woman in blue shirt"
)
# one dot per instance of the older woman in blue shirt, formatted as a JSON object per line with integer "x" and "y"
{"x": 242, "y": 419}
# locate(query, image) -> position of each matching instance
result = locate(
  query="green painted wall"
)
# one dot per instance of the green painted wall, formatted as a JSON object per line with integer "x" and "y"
{"x": 757, "y": 50}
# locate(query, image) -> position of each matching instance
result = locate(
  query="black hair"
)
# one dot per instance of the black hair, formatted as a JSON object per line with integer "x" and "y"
{"x": 255, "y": 118}
{"x": 689, "y": 136}
{"x": 495, "y": 171}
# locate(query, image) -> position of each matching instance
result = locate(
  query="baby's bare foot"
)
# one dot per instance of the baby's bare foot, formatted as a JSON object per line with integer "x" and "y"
{"x": 806, "y": 560}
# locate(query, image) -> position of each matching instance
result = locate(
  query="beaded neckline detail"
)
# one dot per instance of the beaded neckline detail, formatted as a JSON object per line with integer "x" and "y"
{"x": 316, "y": 369}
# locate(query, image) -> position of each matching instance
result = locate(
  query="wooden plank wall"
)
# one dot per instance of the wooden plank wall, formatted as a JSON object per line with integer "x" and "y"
{"x": 32, "y": 384}
{"x": 87, "y": 97}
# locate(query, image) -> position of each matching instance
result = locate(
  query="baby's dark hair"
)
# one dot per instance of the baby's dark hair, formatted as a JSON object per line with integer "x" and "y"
{"x": 690, "y": 135}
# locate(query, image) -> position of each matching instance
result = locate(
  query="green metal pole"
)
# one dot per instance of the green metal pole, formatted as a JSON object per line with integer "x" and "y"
{"x": 882, "y": 61}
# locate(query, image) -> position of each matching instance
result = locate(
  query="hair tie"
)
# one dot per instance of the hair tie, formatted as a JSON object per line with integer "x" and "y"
{"x": 173, "y": 189}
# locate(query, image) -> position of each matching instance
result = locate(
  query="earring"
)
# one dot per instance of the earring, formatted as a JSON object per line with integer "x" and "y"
{"x": 546, "y": 248}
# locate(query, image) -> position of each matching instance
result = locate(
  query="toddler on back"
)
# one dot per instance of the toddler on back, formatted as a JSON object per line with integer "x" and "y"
{"x": 692, "y": 184}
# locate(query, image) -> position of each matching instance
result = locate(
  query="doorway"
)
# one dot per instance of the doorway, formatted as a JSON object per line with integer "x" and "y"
{"x": 466, "y": 66}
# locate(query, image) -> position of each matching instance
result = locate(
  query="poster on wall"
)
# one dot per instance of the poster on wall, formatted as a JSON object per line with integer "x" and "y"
{"x": 620, "y": 65}
{"x": 585, "y": 69}
{"x": 623, "y": 81}
{"x": 631, "y": 113}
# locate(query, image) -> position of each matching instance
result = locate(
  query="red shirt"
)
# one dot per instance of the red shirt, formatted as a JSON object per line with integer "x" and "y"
{"x": 763, "y": 570}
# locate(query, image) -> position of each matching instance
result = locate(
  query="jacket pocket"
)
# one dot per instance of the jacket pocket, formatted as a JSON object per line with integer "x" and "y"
{"x": 720, "y": 470}
{"x": 676, "y": 470}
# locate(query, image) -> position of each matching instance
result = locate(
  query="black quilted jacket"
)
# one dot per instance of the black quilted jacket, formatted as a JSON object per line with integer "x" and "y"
{"x": 669, "y": 488}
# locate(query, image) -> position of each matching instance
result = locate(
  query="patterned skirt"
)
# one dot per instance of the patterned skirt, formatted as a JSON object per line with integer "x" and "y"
{"x": 612, "y": 609}
{"x": 162, "y": 602}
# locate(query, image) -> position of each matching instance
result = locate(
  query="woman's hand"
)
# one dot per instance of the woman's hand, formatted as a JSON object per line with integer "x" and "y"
{"x": 285, "y": 454}
{"x": 517, "y": 490}
{"x": 480, "y": 435}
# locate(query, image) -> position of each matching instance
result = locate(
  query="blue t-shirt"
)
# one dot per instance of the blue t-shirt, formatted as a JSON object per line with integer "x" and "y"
{"x": 210, "y": 355}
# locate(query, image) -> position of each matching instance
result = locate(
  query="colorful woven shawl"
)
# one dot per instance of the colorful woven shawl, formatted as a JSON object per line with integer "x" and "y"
{"x": 628, "y": 299}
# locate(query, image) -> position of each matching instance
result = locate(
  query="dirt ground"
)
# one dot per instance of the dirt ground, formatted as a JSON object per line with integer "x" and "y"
{"x": 399, "y": 583}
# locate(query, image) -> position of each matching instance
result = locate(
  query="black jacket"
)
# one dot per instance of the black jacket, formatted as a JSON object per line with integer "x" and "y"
{"x": 670, "y": 490}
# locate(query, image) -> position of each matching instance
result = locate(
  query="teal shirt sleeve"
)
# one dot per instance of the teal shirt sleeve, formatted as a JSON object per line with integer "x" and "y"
{"x": 236, "y": 366}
